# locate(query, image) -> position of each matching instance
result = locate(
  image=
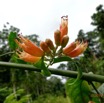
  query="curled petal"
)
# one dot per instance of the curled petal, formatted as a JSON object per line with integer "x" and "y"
{"x": 29, "y": 47}
{"x": 27, "y": 57}
{"x": 78, "y": 50}
{"x": 70, "y": 47}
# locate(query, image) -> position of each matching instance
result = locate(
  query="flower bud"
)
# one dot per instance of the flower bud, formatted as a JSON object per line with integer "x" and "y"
{"x": 45, "y": 47}
{"x": 49, "y": 44}
{"x": 57, "y": 35}
{"x": 64, "y": 41}
{"x": 64, "y": 26}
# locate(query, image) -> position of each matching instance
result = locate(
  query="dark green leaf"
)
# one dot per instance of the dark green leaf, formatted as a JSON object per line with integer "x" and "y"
{"x": 95, "y": 98}
{"x": 38, "y": 64}
{"x": 11, "y": 39}
{"x": 62, "y": 59}
{"x": 45, "y": 70}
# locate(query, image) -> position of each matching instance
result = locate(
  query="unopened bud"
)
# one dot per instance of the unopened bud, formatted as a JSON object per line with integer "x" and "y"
{"x": 57, "y": 35}
{"x": 65, "y": 40}
{"x": 49, "y": 44}
{"x": 45, "y": 47}
{"x": 64, "y": 26}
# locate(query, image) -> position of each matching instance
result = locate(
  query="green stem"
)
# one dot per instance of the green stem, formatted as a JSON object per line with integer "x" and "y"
{"x": 79, "y": 75}
{"x": 13, "y": 79}
{"x": 50, "y": 62}
{"x": 55, "y": 50}
{"x": 60, "y": 51}
{"x": 67, "y": 73}
{"x": 52, "y": 57}
{"x": 6, "y": 54}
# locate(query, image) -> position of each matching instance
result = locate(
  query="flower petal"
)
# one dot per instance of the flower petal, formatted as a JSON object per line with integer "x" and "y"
{"x": 27, "y": 57}
{"x": 70, "y": 47}
{"x": 78, "y": 50}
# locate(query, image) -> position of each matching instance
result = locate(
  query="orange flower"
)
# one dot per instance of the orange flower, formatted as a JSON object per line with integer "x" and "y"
{"x": 70, "y": 47}
{"x": 76, "y": 49}
{"x": 27, "y": 57}
{"x": 29, "y": 47}
{"x": 64, "y": 26}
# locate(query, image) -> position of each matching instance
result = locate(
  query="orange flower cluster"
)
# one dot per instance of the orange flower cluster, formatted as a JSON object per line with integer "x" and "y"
{"x": 32, "y": 53}
{"x": 61, "y": 39}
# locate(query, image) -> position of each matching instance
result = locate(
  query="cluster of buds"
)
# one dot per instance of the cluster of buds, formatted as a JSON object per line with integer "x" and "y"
{"x": 32, "y": 53}
{"x": 60, "y": 36}
{"x": 47, "y": 46}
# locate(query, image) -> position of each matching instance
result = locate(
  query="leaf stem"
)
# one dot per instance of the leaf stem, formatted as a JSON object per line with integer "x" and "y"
{"x": 101, "y": 99}
{"x": 79, "y": 72}
{"x": 52, "y": 57}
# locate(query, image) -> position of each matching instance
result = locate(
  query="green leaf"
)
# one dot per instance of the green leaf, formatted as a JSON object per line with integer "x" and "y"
{"x": 25, "y": 98}
{"x": 77, "y": 92}
{"x": 21, "y": 93}
{"x": 61, "y": 59}
{"x": 41, "y": 65}
{"x": 38, "y": 64}
{"x": 12, "y": 36}
{"x": 45, "y": 70}
{"x": 96, "y": 99}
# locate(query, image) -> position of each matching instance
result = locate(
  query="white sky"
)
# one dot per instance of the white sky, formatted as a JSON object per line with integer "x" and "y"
{"x": 42, "y": 17}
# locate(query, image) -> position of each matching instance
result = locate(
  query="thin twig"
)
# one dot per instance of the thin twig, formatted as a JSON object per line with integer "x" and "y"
{"x": 6, "y": 53}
